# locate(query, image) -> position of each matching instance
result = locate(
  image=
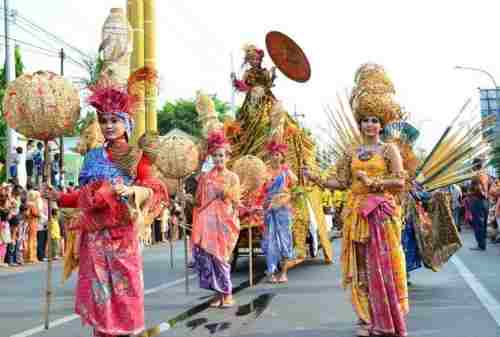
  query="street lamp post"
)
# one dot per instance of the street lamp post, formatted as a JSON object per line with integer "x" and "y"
{"x": 497, "y": 99}
{"x": 479, "y": 70}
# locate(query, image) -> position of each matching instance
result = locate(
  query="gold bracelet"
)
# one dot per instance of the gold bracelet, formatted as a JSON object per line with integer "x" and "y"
{"x": 376, "y": 185}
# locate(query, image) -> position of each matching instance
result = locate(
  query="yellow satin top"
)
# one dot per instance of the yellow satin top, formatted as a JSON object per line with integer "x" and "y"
{"x": 377, "y": 166}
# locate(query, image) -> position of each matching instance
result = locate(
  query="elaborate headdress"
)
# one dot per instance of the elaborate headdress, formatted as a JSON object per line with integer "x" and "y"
{"x": 373, "y": 95}
{"x": 109, "y": 98}
{"x": 216, "y": 140}
{"x": 251, "y": 49}
{"x": 275, "y": 146}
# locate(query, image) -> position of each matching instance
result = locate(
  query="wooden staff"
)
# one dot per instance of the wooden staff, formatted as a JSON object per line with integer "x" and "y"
{"x": 182, "y": 223}
{"x": 48, "y": 292}
{"x": 171, "y": 247}
{"x": 250, "y": 255}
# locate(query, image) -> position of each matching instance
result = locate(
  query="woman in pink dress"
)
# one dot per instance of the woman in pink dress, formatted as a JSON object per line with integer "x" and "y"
{"x": 215, "y": 223}
{"x": 114, "y": 178}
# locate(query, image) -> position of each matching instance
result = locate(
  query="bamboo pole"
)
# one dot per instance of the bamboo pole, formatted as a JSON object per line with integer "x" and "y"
{"x": 136, "y": 16}
{"x": 250, "y": 255}
{"x": 183, "y": 224}
{"x": 151, "y": 90}
{"x": 171, "y": 248}
{"x": 48, "y": 292}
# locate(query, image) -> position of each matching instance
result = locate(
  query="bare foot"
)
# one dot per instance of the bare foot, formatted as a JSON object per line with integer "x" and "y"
{"x": 272, "y": 279}
{"x": 283, "y": 278}
{"x": 215, "y": 303}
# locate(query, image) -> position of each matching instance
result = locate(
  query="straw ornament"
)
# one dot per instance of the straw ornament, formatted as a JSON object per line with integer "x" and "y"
{"x": 175, "y": 155}
{"x": 373, "y": 95}
{"x": 252, "y": 172}
{"x": 41, "y": 106}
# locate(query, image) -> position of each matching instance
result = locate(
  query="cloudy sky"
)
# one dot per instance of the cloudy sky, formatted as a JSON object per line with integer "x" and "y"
{"x": 419, "y": 43}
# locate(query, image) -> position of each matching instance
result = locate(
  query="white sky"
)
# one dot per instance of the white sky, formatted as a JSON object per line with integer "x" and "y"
{"x": 419, "y": 43}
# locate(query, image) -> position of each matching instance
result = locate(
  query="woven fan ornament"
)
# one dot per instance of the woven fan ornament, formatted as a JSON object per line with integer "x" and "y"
{"x": 252, "y": 172}
{"x": 41, "y": 105}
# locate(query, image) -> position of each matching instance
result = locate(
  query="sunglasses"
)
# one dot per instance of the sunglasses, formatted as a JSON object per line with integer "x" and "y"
{"x": 373, "y": 120}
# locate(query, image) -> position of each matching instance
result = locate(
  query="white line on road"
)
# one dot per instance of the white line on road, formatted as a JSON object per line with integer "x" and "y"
{"x": 484, "y": 296}
{"x": 72, "y": 317}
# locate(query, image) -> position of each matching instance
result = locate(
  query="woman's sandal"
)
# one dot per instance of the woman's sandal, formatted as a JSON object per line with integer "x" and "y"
{"x": 228, "y": 304}
{"x": 363, "y": 332}
{"x": 216, "y": 303}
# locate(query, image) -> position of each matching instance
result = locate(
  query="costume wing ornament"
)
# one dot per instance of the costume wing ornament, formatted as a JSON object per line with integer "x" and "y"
{"x": 342, "y": 131}
{"x": 450, "y": 160}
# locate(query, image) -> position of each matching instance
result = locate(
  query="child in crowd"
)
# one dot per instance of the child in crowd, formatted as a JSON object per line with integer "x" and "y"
{"x": 13, "y": 248}
{"x": 55, "y": 234}
{"x": 5, "y": 237}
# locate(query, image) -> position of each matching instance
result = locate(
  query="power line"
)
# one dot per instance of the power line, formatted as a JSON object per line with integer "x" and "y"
{"x": 54, "y": 51}
{"x": 35, "y": 29}
{"x": 53, "y": 36}
{"x": 33, "y": 51}
{"x": 30, "y": 32}
{"x": 31, "y": 45}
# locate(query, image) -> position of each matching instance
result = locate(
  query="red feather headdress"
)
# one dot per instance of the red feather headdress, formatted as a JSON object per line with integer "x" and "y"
{"x": 276, "y": 147}
{"x": 216, "y": 140}
{"x": 109, "y": 99}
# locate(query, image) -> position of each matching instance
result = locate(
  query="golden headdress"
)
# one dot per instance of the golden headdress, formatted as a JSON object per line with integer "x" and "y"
{"x": 373, "y": 95}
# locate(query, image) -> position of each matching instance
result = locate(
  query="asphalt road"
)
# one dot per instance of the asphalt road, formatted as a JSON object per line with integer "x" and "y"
{"x": 462, "y": 300}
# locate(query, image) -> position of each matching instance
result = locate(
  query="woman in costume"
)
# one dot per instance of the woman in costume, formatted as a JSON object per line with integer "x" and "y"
{"x": 116, "y": 186}
{"x": 277, "y": 242}
{"x": 373, "y": 262}
{"x": 33, "y": 216}
{"x": 215, "y": 223}
{"x": 254, "y": 114}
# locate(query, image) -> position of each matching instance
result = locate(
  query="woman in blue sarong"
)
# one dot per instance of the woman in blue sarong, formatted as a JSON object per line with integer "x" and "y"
{"x": 277, "y": 242}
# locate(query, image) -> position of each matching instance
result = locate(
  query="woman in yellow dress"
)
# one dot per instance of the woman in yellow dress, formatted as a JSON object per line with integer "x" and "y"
{"x": 373, "y": 261}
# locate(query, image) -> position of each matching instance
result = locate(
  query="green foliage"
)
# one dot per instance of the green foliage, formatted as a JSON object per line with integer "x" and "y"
{"x": 182, "y": 115}
{"x": 3, "y": 125}
{"x": 93, "y": 66}
{"x": 83, "y": 123}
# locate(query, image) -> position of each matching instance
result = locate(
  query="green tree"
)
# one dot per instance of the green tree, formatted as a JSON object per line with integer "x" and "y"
{"x": 3, "y": 87}
{"x": 182, "y": 115}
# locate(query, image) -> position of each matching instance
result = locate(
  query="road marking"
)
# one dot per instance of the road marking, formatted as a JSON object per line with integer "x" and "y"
{"x": 72, "y": 317}
{"x": 41, "y": 328}
{"x": 484, "y": 296}
{"x": 166, "y": 285}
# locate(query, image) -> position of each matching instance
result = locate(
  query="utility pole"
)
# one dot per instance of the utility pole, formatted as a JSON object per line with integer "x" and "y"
{"x": 61, "y": 139}
{"x": 10, "y": 75}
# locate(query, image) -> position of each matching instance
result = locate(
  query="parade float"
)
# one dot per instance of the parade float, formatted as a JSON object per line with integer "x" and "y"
{"x": 263, "y": 118}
